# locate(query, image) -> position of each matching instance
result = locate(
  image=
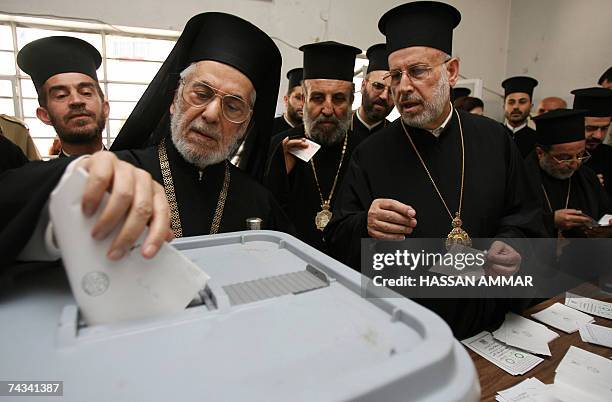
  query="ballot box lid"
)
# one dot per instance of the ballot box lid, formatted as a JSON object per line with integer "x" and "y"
{"x": 278, "y": 321}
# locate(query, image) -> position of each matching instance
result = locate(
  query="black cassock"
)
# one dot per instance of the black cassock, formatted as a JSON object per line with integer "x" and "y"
{"x": 358, "y": 127}
{"x": 586, "y": 194}
{"x": 28, "y": 188}
{"x": 525, "y": 139}
{"x": 279, "y": 125}
{"x": 297, "y": 192}
{"x": 11, "y": 156}
{"x": 498, "y": 201}
{"x": 601, "y": 163}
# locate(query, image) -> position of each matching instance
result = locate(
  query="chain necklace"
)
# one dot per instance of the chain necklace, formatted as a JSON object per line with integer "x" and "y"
{"x": 457, "y": 235}
{"x": 175, "y": 217}
{"x": 567, "y": 197}
{"x": 324, "y": 215}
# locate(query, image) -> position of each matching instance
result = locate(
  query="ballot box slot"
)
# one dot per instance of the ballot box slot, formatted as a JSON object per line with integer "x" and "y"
{"x": 275, "y": 286}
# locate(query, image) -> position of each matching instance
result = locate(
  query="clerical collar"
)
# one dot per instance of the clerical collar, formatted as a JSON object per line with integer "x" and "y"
{"x": 287, "y": 120}
{"x": 437, "y": 131}
{"x": 368, "y": 126}
{"x": 513, "y": 129}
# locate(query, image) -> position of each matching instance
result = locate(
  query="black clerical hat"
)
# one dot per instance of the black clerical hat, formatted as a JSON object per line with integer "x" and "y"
{"x": 46, "y": 57}
{"x": 378, "y": 58}
{"x": 457, "y": 93}
{"x": 420, "y": 23}
{"x": 559, "y": 126}
{"x": 519, "y": 84}
{"x": 329, "y": 60}
{"x": 596, "y": 101}
{"x": 295, "y": 77}
{"x": 226, "y": 39}
{"x": 607, "y": 75}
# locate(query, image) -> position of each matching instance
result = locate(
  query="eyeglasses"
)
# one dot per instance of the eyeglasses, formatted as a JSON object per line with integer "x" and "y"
{"x": 199, "y": 94}
{"x": 578, "y": 158}
{"x": 379, "y": 86}
{"x": 592, "y": 129}
{"x": 416, "y": 73}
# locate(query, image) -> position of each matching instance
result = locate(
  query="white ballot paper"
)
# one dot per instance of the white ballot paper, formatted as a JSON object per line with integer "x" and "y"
{"x": 306, "y": 154}
{"x": 562, "y": 317}
{"x": 605, "y": 220}
{"x": 588, "y": 305}
{"x": 587, "y": 372}
{"x": 512, "y": 360}
{"x": 596, "y": 334}
{"x": 525, "y": 334}
{"x": 108, "y": 291}
{"x": 525, "y": 391}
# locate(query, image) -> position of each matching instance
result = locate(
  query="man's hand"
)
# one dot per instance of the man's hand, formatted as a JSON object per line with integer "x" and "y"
{"x": 570, "y": 218}
{"x": 502, "y": 260}
{"x": 133, "y": 195}
{"x": 601, "y": 179}
{"x": 390, "y": 219}
{"x": 289, "y": 145}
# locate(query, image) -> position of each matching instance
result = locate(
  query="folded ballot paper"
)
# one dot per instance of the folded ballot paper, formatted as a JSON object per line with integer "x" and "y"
{"x": 563, "y": 317}
{"x": 525, "y": 334}
{"x": 108, "y": 291}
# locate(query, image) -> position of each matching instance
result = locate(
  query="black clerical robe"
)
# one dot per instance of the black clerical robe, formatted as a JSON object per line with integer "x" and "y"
{"x": 358, "y": 127}
{"x": 279, "y": 125}
{"x": 11, "y": 156}
{"x": 297, "y": 192}
{"x": 30, "y": 186}
{"x": 601, "y": 163}
{"x": 585, "y": 194}
{"x": 525, "y": 139}
{"x": 498, "y": 201}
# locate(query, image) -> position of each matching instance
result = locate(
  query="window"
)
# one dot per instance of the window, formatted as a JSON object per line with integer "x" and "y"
{"x": 130, "y": 59}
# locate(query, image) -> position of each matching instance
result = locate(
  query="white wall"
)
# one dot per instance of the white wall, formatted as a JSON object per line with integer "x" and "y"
{"x": 480, "y": 40}
{"x": 564, "y": 44}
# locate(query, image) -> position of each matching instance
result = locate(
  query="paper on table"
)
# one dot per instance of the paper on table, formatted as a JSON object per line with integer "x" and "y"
{"x": 588, "y": 305}
{"x": 525, "y": 334}
{"x": 605, "y": 220}
{"x": 586, "y": 371}
{"x": 562, "y": 317}
{"x": 524, "y": 391}
{"x": 596, "y": 334}
{"x": 107, "y": 291}
{"x": 514, "y": 361}
{"x": 306, "y": 154}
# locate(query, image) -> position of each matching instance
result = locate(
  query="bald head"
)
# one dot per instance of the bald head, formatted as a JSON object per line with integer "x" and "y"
{"x": 550, "y": 103}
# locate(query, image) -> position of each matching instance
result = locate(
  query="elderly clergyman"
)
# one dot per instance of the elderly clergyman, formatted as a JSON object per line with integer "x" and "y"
{"x": 427, "y": 175}
{"x": 213, "y": 91}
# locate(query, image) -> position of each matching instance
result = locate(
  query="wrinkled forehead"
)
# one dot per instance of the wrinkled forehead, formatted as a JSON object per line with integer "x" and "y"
{"x": 409, "y": 56}
{"x": 68, "y": 80}
{"x": 328, "y": 86}
{"x": 378, "y": 75}
{"x": 222, "y": 76}
{"x": 568, "y": 148}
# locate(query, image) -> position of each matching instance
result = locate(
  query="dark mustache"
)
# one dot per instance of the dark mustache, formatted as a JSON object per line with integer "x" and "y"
{"x": 75, "y": 113}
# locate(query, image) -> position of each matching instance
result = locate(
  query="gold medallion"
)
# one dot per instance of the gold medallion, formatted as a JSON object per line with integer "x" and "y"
{"x": 323, "y": 217}
{"x": 457, "y": 235}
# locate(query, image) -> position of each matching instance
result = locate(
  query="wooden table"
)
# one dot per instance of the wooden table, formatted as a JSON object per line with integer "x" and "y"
{"x": 494, "y": 379}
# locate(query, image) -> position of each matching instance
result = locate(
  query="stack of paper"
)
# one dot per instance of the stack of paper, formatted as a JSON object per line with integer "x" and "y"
{"x": 596, "y": 334}
{"x": 525, "y": 334}
{"x": 509, "y": 359}
{"x": 562, "y": 317}
{"x": 591, "y": 306}
{"x": 584, "y": 375}
{"x": 525, "y": 391}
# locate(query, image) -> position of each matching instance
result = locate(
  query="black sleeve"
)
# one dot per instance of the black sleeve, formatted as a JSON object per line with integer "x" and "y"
{"x": 11, "y": 156}
{"x": 349, "y": 222}
{"x": 25, "y": 193}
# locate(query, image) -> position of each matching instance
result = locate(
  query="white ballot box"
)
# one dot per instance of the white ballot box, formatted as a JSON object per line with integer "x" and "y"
{"x": 276, "y": 321}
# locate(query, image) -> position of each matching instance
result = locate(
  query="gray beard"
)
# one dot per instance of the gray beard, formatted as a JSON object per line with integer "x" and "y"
{"x": 431, "y": 110}
{"x": 324, "y": 136}
{"x": 192, "y": 152}
{"x": 547, "y": 166}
